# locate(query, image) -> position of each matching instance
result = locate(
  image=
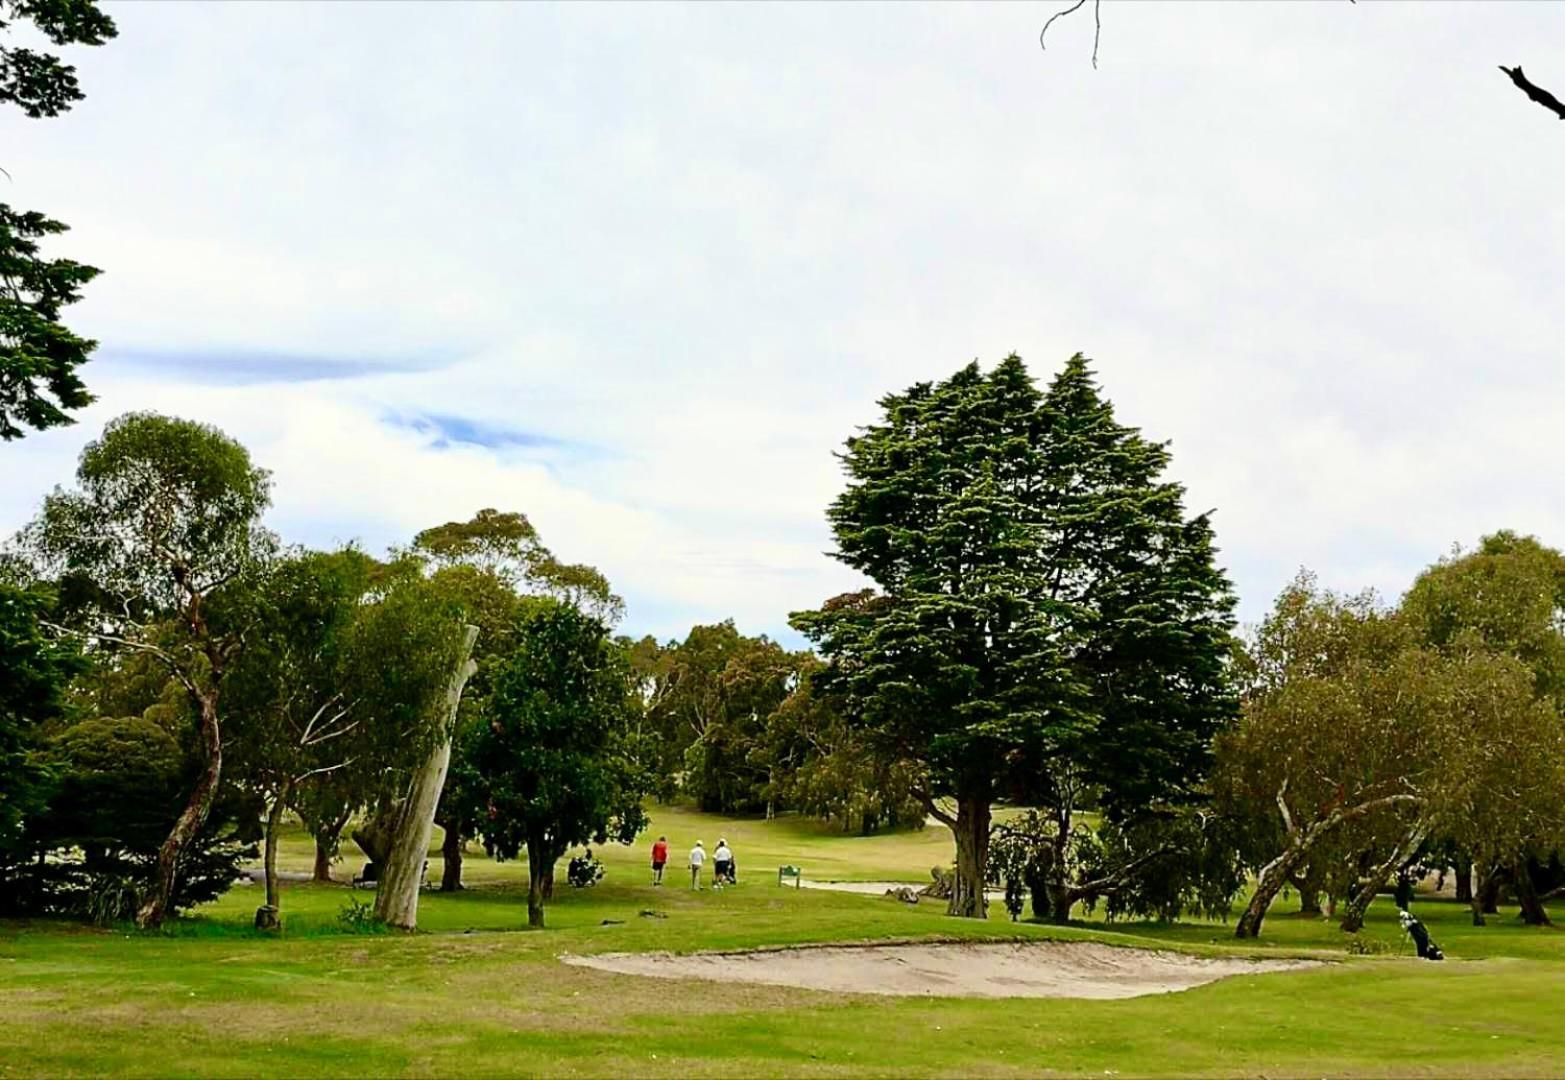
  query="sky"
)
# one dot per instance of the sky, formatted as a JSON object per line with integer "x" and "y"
{"x": 638, "y": 270}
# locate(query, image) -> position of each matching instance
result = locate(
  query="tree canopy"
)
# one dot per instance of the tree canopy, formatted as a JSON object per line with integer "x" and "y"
{"x": 1045, "y": 612}
{"x": 555, "y": 762}
{"x": 160, "y": 534}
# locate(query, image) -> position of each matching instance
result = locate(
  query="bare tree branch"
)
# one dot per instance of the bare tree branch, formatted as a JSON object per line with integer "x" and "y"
{"x": 1534, "y": 91}
{"x": 1097, "y": 25}
{"x": 932, "y": 809}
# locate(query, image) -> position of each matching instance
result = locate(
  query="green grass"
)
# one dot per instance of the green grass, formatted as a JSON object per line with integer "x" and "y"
{"x": 212, "y": 998}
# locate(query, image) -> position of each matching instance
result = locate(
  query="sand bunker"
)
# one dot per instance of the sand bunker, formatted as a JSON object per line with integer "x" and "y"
{"x": 1019, "y": 969}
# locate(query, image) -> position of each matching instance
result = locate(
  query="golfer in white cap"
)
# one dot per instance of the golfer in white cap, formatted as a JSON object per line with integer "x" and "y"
{"x": 697, "y": 860}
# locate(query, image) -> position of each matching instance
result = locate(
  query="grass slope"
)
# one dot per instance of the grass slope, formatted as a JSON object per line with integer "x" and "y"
{"x": 474, "y": 996}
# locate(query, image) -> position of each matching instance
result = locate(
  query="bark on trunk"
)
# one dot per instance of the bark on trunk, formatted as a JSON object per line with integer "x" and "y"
{"x": 274, "y": 821}
{"x": 1489, "y": 895}
{"x": 155, "y": 908}
{"x": 1475, "y": 891}
{"x": 451, "y": 857}
{"x": 396, "y": 898}
{"x": 538, "y": 869}
{"x": 1273, "y": 876}
{"x": 327, "y": 837}
{"x": 1353, "y": 917}
{"x": 972, "y": 856}
{"x": 1061, "y": 900}
{"x": 322, "y": 871}
{"x": 1464, "y": 881}
{"x": 1309, "y": 895}
{"x": 1533, "y": 911}
{"x": 548, "y": 881}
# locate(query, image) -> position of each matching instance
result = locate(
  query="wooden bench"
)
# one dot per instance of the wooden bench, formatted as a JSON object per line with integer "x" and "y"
{"x": 794, "y": 872}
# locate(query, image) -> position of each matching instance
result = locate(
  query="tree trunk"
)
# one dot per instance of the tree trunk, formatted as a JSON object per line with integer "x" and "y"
{"x": 548, "y": 881}
{"x": 1353, "y": 917}
{"x": 1273, "y": 876}
{"x": 274, "y": 821}
{"x": 322, "y": 871}
{"x": 1533, "y": 911}
{"x": 1464, "y": 881}
{"x": 1059, "y": 895}
{"x": 1309, "y": 895}
{"x": 1061, "y": 900}
{"x": 1475, "y": 890}
{"x": 1489, "y": 895}
{"x": 538, "y": 869}
{"x": 451, "y": 857}
{"x": 396, "y": 898}
{"x": 327, "y": 836}
{"x": 972, "y": 855}
{"x": 155, "y": 908}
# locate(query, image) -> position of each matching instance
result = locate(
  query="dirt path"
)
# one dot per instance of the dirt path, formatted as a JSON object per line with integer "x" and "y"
{"x": 1007, "y": 969}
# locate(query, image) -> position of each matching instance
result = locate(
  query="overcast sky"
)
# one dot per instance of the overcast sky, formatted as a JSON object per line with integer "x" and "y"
{"x": 638, "y": 270}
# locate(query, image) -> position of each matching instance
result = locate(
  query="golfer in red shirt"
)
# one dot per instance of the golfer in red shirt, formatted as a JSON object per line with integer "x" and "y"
{"x": 659, "y": 858}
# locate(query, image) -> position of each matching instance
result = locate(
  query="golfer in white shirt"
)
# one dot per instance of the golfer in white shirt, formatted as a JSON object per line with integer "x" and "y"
{"x": 697, "y": 860}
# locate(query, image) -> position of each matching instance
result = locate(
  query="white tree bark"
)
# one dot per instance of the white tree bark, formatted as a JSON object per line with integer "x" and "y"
{"x": 396, "y": 899}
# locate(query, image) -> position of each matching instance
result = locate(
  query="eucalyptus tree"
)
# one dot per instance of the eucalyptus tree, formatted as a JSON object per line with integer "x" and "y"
{"x": 1507, "y": 597}
{"x": 505, "y": 545}
{"x": 1046, "y": 619}
{"x": 39, "y": 355}
{"x": 1352, "y": 728}
{"x": 487, "y": 565}
{"x": 161, "y": 531}
{"x": 339, "y": 684}
{"x": 713, "y": 697}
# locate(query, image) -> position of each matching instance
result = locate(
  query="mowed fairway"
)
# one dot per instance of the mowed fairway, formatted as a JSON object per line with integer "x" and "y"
{"x": 474, "y": 994}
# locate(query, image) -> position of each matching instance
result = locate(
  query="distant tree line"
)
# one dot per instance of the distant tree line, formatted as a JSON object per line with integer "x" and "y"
{"x": 1047, "y": 628}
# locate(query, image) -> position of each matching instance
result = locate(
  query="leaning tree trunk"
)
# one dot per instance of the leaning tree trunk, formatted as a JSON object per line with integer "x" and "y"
{"x": 155, "y": 907}
{"x": 267, "y": 917}
{"x": 451, "y": 860}
{"x": 1268, "y": 883}
{"x": 1275, "y": 874}
{"x": 972, "y": 856}
{"x": 396, "y": 898}
{"x": 1353, "y": 917}
{"x": 1533, "y": 911}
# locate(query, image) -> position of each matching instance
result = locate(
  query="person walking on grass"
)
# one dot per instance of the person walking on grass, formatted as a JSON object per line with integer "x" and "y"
{"x": 659, "y": 859}
{"x": 697, "y": 860}
{"x": 722, "y": 865}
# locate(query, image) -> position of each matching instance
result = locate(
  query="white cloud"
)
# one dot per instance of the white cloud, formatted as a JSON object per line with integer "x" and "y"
{"x": 1314, "y": 246}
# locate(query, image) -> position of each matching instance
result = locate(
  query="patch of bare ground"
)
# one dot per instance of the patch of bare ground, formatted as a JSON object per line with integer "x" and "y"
{"x": 1064, "y": 969}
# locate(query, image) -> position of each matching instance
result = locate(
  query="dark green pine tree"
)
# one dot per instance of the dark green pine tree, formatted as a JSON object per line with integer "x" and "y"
{"x": 1155, "y": 639}
{"x": 38, "y": 354}
{"x": 1047, "y": 621}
